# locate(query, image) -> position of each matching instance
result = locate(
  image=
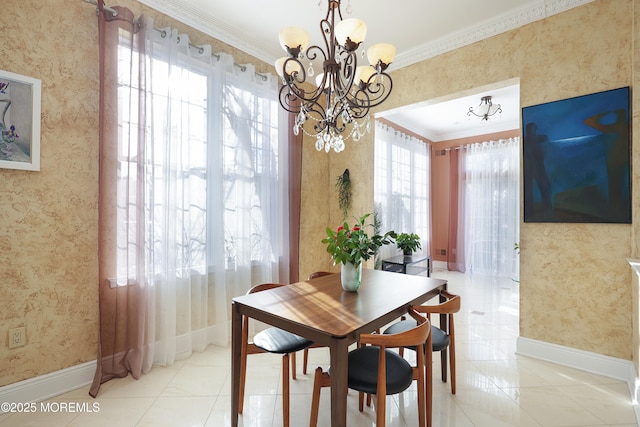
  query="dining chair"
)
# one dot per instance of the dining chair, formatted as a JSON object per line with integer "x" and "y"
{"x": 270, "y": 340}
{"x": 440, "y": 339}
{"x": 373, "y": 369}
{"x": 305, "y": 354}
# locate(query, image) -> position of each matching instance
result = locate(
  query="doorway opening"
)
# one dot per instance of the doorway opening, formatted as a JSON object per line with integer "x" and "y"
{"x": 474, "y": 177}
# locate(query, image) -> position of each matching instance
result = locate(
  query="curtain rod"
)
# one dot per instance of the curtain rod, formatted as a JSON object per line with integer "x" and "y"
{"x": 105, "y": 7}
{"x": 242, "y": 68}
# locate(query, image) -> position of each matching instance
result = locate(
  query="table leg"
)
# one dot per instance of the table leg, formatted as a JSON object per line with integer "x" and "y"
{"x": 236, "y": 338}
{"x": 444, "y": 325}
{"x": 339, "y": 355}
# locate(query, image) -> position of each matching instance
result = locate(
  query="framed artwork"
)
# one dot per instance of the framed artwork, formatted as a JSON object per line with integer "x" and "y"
{"x": 20, "y": 103}
{"x": 576, "y": 159}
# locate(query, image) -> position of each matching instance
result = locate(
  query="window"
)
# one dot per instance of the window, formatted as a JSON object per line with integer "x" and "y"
{"x": 401, "y": 190}
{"x": 205, "y": 167}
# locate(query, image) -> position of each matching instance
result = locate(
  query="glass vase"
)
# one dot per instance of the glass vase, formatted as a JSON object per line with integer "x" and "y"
{"x": 351, "y": 276}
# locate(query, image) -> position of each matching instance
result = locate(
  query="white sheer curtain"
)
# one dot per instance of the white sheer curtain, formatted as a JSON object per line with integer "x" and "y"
{"x": 401, "y": 185}
{"x": 199, "y": 189}
{"x": 491, "y": 183}
{"x": 254, "y": 163}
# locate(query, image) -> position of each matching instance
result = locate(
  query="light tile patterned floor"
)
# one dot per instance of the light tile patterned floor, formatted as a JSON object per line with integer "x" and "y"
{"x": 496, "y": 387}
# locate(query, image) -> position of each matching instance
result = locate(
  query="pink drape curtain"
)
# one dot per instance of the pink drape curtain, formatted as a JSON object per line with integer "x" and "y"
{"x": 121, "y": 334}
{"x": 295, "y": 195}
{"x": 125, "y": 338}
{"x": 455, "y": 251}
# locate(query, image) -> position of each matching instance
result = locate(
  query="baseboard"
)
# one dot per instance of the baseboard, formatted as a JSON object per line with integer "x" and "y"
{"x": 65, "y": 380}
{"x": 600, "y": 364}
{"x": 49, "y": 385}
{"x": 595, "y": 363}
{"x": 55, "y": 383}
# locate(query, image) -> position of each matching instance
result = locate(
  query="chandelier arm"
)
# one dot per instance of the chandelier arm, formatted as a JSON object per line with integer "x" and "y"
{"x": 298, "y": 76}
{"x": 312, "y": 53}
{"x": 288, "y": 101}
{"x": 327, "y": 34}
{"x": 293, "y": 83}
{"x": 377, "y": 90}
{"x": 288, "y": 96}
{"x": 346, "y": 76}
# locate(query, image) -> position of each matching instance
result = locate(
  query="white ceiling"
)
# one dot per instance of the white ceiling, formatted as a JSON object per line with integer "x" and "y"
{"x": 448, "y": 118}
{"x": 419, "y": 29}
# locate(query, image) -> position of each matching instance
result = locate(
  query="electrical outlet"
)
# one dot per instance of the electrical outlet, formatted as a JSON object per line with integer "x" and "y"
{"x": 17, "y": 337}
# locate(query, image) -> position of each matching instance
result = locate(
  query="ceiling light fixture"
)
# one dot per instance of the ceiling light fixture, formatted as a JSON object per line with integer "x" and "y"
{"x": 349, "y": 90}
{"x": 485, "y": 109}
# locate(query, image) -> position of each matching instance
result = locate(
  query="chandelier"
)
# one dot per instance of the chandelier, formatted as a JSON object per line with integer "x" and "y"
{"x": 485, "y": 109}
{"x": 337, "y": 107}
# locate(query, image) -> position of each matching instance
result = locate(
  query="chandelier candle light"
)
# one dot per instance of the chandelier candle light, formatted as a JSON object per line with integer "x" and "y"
{"x": 338, "y": 106}
{"x": 485, "y": 109}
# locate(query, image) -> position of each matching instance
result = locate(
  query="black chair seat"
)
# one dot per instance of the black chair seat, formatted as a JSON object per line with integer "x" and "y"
{"x": 363, "y": 371}
{"x": 439, "y": 338}
{"x": 275, "y": 340}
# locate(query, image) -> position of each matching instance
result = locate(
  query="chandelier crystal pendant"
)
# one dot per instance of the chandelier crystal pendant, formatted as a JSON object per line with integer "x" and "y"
{"x": 337, "y": 107}
{"x": 485, "y": 109}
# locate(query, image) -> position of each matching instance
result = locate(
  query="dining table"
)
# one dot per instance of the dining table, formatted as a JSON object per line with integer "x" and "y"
{"x": 321, "y": 311}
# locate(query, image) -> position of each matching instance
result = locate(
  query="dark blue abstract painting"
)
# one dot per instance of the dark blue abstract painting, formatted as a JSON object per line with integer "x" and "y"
{"x": 576, "y": 159}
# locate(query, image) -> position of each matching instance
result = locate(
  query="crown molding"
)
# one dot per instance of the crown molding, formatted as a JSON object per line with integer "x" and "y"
{"x": 185, "y": 12}
{"x": 534, "y": 12}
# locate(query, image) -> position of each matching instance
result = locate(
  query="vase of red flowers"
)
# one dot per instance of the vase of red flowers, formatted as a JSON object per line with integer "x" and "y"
{"x": 349, "y": 246}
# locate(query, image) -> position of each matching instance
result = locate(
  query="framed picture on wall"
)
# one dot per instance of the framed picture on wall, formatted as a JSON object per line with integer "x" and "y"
{"x": 20, "y": 103}
{"x": 576, "y": 159}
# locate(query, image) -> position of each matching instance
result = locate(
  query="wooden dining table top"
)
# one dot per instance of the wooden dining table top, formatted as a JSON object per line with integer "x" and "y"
{"x": 322, "y": 305}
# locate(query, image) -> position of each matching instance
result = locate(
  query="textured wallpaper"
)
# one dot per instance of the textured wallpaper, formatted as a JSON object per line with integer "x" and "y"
{"x": 576, "y": 286}
{"x": 48, "y": 236}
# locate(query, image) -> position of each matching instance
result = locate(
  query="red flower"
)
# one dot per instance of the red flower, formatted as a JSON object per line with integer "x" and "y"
{"x": 340, "y": 229}
{"x": 355, "y": 228}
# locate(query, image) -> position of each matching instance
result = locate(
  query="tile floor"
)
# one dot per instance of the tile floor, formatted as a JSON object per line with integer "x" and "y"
{"x": 496, "y": 387}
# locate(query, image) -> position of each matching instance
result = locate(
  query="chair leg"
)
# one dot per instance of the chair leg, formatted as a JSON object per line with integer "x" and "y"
{"x": 429, "y": 379}
{"x": 315, "y": 397}
{"x": 243, "y": 374}
{"x": 293, "y": 366}
{"x": 422, "y": 403}
{"x": 285, "y": 390}
{"x": 452, "y": 366}
{"x": 305, "y": 360}
{"x": 381, "y": 410}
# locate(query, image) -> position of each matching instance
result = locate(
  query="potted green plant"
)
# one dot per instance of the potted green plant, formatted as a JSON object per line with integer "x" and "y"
{"x": 350, "y": 246}
{"x": 408, "y": 243}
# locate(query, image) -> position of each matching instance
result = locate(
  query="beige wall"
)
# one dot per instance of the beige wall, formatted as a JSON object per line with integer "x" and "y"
{"x": 575, "y": 283}
{"x": 49, "y": 228}
{"x": 48, "y": 236}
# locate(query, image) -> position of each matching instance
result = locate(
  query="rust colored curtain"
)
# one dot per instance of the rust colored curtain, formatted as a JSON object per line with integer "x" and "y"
{"x": 121, "y": 332}
{"x": 295, "y": 195}
{"x": 455, "y": 251}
